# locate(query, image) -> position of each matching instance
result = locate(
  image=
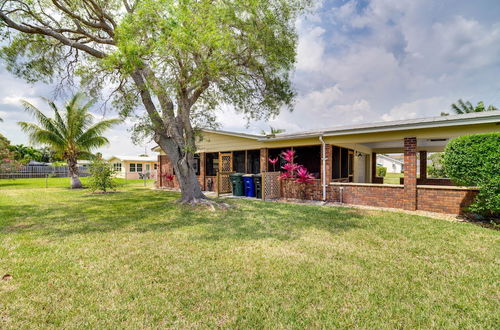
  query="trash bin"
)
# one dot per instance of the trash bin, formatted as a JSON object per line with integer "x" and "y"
{"x": 249, "y": 185}
{"x": 257, "y": 179}
{"x": 237, "y": 184}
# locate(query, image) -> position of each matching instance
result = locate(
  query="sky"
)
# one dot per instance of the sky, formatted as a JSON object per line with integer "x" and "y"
{"x": 358, "y": 61}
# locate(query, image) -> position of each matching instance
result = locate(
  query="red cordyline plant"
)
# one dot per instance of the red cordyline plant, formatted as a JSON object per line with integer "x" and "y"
{"x": 274, "y": 161}
{"x": 299, "y": 173}
{"x": 168, "y": 177}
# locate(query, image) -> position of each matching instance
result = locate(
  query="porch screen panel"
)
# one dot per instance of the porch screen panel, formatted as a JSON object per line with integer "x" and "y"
{"x": 344, "y": 163}
{"x": 310, "y": 158}
{"x": 253, "y": 161}
{"x": 239, "y": 161}
{"x": 211, "y": 163}
{"x": 197, "y": 164}
{"x": 335, "y": 162}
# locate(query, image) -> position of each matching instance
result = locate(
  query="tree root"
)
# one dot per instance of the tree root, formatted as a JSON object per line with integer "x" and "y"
{"x": 212, "y": 204}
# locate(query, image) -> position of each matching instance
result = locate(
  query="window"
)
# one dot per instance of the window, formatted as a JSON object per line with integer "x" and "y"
{"x": 135, "y": 167}
{"x": 117, "y": 167}
{"x": 156, "y": 166}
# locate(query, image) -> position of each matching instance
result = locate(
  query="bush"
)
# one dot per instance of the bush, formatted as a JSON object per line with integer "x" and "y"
{"x": 436, "y": 168}
{"x": 474, "y": 160}
{"x": 101, "y": 176}
{"x": 381, "y": 171}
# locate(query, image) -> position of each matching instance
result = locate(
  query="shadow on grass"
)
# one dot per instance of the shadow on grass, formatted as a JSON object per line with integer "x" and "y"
{"x": 139, "y": 210}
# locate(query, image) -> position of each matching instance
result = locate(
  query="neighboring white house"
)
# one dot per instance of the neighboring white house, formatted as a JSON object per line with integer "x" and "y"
{"x": 84, "y": 163}
{"x": 134, "y": 167}
{"x": 393, "y": 165}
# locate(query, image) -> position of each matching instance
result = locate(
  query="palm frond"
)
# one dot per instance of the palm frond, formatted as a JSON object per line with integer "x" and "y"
{"x": 97, "y": 129}
{"x": 40, "y": 135}
{"x": 92, "y": 143}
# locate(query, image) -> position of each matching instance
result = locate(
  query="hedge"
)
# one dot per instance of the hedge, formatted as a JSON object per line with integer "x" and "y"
{"x": 474, "y": 160}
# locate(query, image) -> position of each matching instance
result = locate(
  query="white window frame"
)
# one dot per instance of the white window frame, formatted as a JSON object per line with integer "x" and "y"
{"x": 132, "y": 167}
{"x": 117, "y": 167}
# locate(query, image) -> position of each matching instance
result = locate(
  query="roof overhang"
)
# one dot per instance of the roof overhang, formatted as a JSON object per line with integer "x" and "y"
{"x": 487, "y": 117}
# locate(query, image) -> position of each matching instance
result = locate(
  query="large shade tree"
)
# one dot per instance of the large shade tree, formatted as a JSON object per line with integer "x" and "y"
{"x": 177, "y": 59}
{"x": 72, "y": 132}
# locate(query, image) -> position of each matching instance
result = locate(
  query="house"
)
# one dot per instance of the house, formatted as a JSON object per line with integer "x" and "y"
{"x": 134, "y": 167}
{"x": 343, "y": 161}
{"x": 84, "y": 163}
{"x": 392, "y": 165}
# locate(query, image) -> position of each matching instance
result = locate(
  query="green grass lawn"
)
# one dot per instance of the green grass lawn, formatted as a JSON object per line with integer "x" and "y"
{"x": 392, "y": 178}
{"x": 135, "y": 259}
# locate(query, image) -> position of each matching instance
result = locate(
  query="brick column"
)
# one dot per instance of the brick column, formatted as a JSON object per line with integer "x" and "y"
{"x": 328, "y": 168}
{"x": 202, "y": 169}
{"x": 158, "y": 173}
{"x": 264, "y": 159}
{"x": 410, "y": 174}
{"x": 423, "y": 164}
{"x": 374, "y": 167}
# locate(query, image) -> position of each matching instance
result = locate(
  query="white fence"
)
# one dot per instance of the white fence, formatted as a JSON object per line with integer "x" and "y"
{"x": 28, "y": 172}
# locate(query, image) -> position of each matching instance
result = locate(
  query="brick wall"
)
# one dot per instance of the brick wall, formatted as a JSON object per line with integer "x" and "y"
{"x": 292, "y": 190}
{"x": 448, "y": 200}
{"x": 166, "y": 167}
{"x": 431, "y": 181}
{"x": 369, "y": 195}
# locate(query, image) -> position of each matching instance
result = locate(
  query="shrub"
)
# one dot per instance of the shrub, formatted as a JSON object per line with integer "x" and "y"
{"x": 381, "y": 171}
{"x": 474, "y": 160}
{"x": 436, "y": 168}
{"x": 101, "y": 176}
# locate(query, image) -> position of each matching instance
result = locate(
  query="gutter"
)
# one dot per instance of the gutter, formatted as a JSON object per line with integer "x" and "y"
{"x": 323, "y": 159}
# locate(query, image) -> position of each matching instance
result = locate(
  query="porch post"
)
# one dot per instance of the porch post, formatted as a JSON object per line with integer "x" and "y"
{"x": 328, "y": 164}
{"x": 374, "y": 167}
{"x": 202, "y": 170}
{"x": 410, "y": 173}
{"x": 263, "y": 159}
{"x": 423, "y": 164}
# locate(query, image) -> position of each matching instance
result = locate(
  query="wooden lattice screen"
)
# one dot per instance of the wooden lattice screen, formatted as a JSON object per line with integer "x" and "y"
{"x": 270, "y": 185}
{"x": 224, "y": 183}
{"x": 226, "y": 162}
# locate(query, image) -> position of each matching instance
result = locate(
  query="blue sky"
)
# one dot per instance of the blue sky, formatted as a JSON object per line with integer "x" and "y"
{"x": 358, "y": 62}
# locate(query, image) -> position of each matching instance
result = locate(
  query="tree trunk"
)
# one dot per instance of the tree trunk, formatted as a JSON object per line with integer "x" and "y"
{"x": 73, "y": 174}
{"x": 184, "y": 171}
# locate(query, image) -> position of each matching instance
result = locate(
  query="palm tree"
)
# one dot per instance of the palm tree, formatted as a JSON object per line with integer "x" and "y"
{"x": 71, "y": 133}
{"x": 273, "y": 131}
{"x": 462, "y": 107}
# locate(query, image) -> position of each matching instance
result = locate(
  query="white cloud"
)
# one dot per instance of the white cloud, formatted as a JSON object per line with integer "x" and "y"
{"x": 310, "y": 50}
{"x": 424, "y": 107}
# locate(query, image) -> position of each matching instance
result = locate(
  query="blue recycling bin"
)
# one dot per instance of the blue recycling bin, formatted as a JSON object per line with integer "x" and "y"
{"x": 249, "y": 185}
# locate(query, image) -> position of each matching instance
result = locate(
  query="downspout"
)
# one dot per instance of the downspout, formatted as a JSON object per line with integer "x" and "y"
{"x": 323, "y": 159}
